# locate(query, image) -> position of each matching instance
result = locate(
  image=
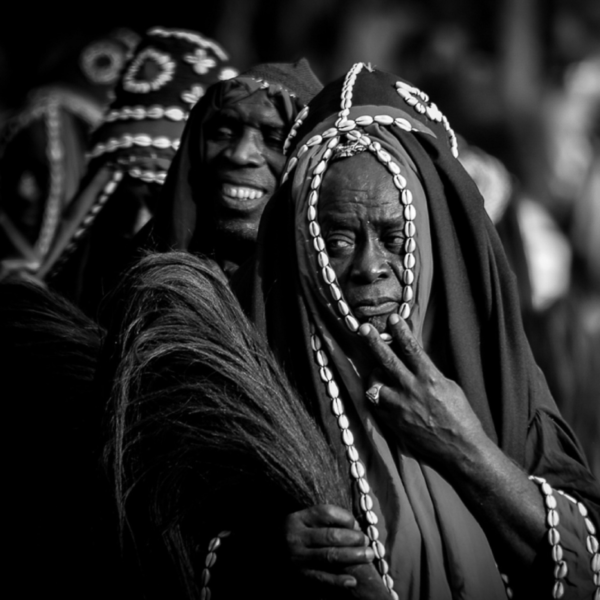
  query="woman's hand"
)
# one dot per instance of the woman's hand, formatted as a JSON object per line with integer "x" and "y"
{"x": 426, "y": 411}
{"x": 322, "y": 541}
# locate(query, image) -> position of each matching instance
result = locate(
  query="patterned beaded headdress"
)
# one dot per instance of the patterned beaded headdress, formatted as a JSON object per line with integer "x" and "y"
{"x": 168, "y": 74}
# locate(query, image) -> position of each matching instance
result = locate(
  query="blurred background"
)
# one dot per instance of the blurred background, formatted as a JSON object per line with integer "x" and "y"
{"x": 519, "y": 81}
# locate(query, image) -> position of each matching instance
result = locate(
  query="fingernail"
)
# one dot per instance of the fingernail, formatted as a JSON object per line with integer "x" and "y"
{"x": 395, "y": 318}
{"x": 364, "y": 329}
{"x": 350, "y": 582}
{"x": 373, "y": 394}
{"x": 369, "y": 554}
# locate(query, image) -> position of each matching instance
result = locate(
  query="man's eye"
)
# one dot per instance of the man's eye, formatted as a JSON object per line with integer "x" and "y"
{"x": 221, "y": 133}
{"x": 338, "y": 243}
{"x": 394, "y": 243}
{"x": 275, "y": 139}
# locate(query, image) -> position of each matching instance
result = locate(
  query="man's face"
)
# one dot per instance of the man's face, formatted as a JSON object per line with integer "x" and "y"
{"x": 363, "y": 226}
{"x": 244, "y": 159}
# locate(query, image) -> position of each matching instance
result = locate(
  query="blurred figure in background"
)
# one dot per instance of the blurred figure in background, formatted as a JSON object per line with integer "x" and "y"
{"x": 229, "y": 163}
{"x": 130, "y": 155}
{"x": 43, "y": 146}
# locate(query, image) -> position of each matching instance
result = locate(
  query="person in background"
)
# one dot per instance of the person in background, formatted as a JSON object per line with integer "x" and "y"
{"x": 43, "y": 146}
{"x": 229, "y": 163}
{"x": 130, "y": 154}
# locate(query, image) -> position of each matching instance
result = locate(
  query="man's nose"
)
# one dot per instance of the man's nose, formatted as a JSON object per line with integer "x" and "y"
{"x": 370, "y": 263}
{"x": 247, "y": 149}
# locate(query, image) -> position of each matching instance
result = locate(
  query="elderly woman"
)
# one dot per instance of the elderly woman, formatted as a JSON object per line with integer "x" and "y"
{"x": 383, "y": 289}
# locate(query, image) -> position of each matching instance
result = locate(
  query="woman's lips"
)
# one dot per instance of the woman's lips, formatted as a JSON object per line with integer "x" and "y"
{"x": 241, "y": 198}
{"x": 241, "y": 192}
{"x": 375, "y": 309}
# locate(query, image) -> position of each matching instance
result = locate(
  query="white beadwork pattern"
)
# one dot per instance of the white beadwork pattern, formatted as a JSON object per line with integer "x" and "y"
{"x": 357, "y": 469}
{"x": 591, "y": 541}
{"x": 141, "y": 140}
{"x": 166, "y": 72}
{"x": 294, "y": 130}
{"x": 552, "y": 520}
{"x": 55, "y": 155}
{"x": 107, "y": 191}
{"x": 193, "y": 38}
{"x": 148, "y": 176}
{"x": 139, "y": 113}
{"x": 209, "y": 563}
{"x": 419, "y": 101}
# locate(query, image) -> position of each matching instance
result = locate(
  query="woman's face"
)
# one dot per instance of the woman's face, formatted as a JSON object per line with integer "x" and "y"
{"x": 362, "y": 221}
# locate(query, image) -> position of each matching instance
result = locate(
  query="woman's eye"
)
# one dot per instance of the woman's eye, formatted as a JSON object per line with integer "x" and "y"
{"x": 338, "y": 243}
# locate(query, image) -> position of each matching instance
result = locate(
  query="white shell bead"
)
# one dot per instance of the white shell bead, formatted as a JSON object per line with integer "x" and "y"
{"x": 311, "y": 213}
{"x": 595, "y": 563}
{"x": 364, "y": 120}
{"x": 352, "y": 453}
{"x": 394, "y": 595}
{"x": 375, "y": 145}
{"x": 592, "y": 544}
{"x": 314, "y": 229}
{"x": 348, "y": 439}
{"x": 363, "y": 485}
{"x": 323, "y": 259}
{"x": 315, "y": 343}
{"x": 351, "y": 323}
{"x": 314, "y": 140}
{"x": 590, "y": 526}
{"x": 292, "y": 163}
{"x": 205, "y": 594}
{"x": 357, "y": 470}
{"x": 597, "y": 583}
{"x": 407, "y": 197}
{"x": 546, "y": 489}
{"x": 560, "y": 570}
{"x": 354, "y": 135}
{"x": 405, "y": 311}
{"x": 410, "y": 213}
{"x": 411, "y": 101}
{"x": 313, "y": 198}
{"x": 409, "y": 261}
{"x": 343, "y": 423}
{"x": 410, "y": 245}
{"x": 322, "y": 359}
{"x": 407, "y": 294}
{"x": 373, "y": 533}
{"x": 399, "y": 182}
{"x": 347, "y": 102}
{"x": 205, "y": 577}
{"x": 302, "y": 150}
{"x": 366, "y": 503}
{"x": 384, "y": 119}
{"x": 582, "y": 509}
{"x": 393, "y": 168}
{"x": 552, "y": 518}
{"x": 344, "y": 114}
{"x": 336, "y": 292}
{"x": 558, "y": 591}
{"x": 327, "y": 154}
{"x": 403, "y": 124}
{"x": 557, "y": 553}
{"x": 371, "y": 517}
{"x": 408, "y": 277}
{"x": 389, "y": 582}
{"x": 383, "y": 567}
{"x": 214, "y": 544}
{"x": 337, "y": 408}
{"x": 320, "y": 168}
{"x": 329, "y": 132}
{"x": 343, "y": 307}
{"x": 316, "y": 182}
{"x": 410, "y": 229}
{"x": 553, "y": 536}
{"x": 346, "y": 125}
{"x": 333, "y": 142}
{"x": 319, "y": 244}
{"x": 325, "y": 374}
{"x": 550, "y": 502}
{"x": 383, "y": 156}
{"x": 210, "y": 560}
{"x": 378, "y": 548}
{"x": 420, "y": 108}
{"x": 328, "y": 274}
{"x": 332, "y": 389}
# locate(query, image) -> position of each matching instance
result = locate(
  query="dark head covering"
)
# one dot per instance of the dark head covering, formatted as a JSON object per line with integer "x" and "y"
{"x": 288, "y": 86}
{"x": 133, "y": 148}
{"x": 433, "y": 545}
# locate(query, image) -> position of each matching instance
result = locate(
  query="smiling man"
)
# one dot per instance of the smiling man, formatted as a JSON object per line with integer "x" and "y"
{"x": 230, "y": 161}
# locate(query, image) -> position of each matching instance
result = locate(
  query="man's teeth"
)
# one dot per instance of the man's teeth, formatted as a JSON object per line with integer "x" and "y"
{"x": 242, "y": 193}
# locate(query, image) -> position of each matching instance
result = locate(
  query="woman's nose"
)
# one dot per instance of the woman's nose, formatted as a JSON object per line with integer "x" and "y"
{"x": 370, "y": 263}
